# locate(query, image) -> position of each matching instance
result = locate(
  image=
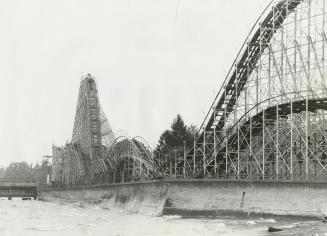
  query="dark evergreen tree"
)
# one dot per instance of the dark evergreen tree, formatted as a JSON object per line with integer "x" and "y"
{"x": 178, "y": 132}
{"x": 171, "y": 142}
{"x": 162, "y": 148}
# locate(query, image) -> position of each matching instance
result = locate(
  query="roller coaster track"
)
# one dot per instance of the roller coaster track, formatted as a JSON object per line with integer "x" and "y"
{"x": 242, "y": 66}
{"x": 230, "y": 132}
{"x": 97, "y": 155}
{"x": 245, "y": 64}
{"x": 268, "y": 120}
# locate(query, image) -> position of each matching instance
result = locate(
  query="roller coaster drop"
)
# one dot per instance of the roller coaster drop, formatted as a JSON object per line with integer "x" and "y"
{"x": 96, "y": 155}
{"x": 268, "y": 121}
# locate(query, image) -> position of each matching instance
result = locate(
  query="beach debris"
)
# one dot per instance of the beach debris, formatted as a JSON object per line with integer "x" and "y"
{"x": 273, "y": 229}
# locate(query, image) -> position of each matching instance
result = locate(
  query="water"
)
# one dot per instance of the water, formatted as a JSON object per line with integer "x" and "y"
{"x": 68, "y": 219}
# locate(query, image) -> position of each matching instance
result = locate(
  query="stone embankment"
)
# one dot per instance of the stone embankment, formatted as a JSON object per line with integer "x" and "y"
{"x": 203, "y": 197}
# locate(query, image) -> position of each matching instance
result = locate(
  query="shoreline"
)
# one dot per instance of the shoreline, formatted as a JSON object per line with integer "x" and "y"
{"x": 196, "y": 198}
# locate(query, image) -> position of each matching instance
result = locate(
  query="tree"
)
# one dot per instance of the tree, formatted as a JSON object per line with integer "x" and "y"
{"x": 40, "y": 173}
{"x": 178, "y": 131}
{"x": 191, "y": 133}
{"x": 171, "y": 142}
{"x": 19, "y": 171}
{"x": 23, "y": 172}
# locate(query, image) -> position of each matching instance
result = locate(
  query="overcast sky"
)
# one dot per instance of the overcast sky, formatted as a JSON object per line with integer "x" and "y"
{"x": 152, "y": 60}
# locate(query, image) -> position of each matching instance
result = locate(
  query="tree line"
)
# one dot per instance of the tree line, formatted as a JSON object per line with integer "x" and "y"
{"x": 24, "y": 172}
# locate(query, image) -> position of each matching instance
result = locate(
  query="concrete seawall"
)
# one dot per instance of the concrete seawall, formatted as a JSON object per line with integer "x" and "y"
{"x": 194, "y": 197}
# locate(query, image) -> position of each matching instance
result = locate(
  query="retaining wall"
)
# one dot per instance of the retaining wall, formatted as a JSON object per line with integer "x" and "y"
{"x": 204, "y": 197}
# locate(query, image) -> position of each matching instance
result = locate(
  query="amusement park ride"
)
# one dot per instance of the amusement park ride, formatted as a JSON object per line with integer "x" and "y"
{"x": 268, "y": 121}
{"x": 96, "y": 155}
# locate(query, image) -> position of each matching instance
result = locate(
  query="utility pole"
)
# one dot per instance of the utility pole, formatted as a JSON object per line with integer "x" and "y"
{"x": 47, "y": 162}
{"x": 184, "y": 160}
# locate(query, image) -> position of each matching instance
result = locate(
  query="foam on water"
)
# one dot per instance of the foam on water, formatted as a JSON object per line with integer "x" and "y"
{"x": 251, "y": 222}
{"x": 35, "y": 218}
{"x": 266, "y": 220}
{"x": 172, "y": 217}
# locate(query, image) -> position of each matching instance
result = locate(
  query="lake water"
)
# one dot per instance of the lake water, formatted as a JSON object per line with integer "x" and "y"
{"x": 34, "y": 218}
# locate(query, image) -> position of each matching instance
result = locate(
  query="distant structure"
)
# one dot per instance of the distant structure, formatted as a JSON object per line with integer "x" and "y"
{"x": 95, "y": 154}
{"x": 2, "y": 171}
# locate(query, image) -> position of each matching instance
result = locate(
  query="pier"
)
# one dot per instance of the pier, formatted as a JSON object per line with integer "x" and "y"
{"x": 19, "y": 190}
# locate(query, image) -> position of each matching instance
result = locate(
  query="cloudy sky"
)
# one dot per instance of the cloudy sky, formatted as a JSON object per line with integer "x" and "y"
{"x": 152, "y": 60}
